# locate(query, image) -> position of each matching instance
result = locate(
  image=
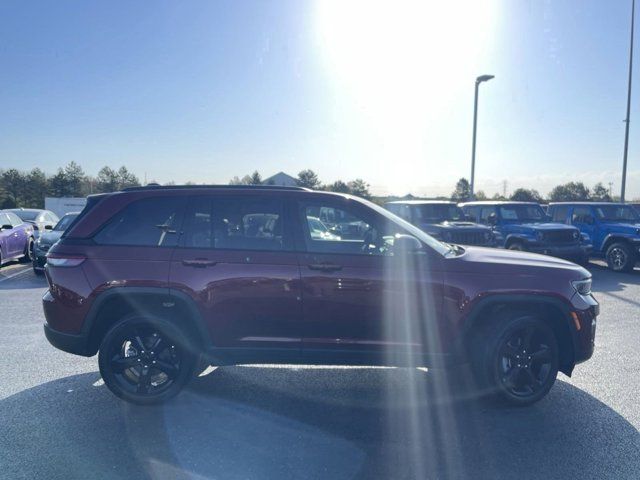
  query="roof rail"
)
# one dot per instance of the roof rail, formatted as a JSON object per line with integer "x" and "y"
{"x": 232, "y": 187}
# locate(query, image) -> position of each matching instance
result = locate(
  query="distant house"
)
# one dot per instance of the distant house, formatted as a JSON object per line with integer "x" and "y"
{"x": 281, "y": 179}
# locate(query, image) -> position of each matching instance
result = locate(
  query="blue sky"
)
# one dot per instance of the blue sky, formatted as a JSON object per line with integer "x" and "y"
{"x": 207, "y": 90}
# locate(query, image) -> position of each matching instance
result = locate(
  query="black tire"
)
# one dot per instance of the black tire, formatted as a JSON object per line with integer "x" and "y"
{"x": 620, "y": 257}
{"x": 518, "y": 246}
{"x": 146, "y": 360}
{"x": 516, "y": 359}
{"x": 38, "y": 272}
{"x": 28, "y": 252}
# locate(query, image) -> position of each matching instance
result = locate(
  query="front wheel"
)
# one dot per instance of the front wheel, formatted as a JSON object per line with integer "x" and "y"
{"x": 145, "y": 361}
{"x": 620, "y": 257}
{"x": 517, "y": 360}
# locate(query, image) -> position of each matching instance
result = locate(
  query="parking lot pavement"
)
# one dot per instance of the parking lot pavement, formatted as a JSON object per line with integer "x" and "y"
{"x": 59, "y": 421}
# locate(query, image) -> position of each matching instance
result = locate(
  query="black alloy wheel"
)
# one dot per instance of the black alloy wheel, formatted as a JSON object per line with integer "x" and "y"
{"x": 145, "y": 361}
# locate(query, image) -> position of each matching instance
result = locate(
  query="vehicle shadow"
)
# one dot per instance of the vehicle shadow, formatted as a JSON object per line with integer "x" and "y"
{"x": 328, "y": 423}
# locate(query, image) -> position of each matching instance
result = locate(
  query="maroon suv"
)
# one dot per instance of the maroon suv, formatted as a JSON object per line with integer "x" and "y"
{"x": 162, "y": 281}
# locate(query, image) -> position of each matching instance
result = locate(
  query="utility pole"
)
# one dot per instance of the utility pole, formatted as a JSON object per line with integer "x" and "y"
{"x": 479, "y": 80}
{"x": 628, "y": 119}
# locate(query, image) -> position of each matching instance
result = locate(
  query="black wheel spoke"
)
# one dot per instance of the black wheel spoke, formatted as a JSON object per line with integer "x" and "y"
{"x": 509, "y": 351}
{"x": 530, "y": 379}
{"x": 511, "y": 377}
{"x": 144, "y": 381}
{"x": 138, "y": 343}
{"x": 120, "y": 363}
{"x": 168, "y": 368}
{"x": 158, "y": 344}
{"x": 528, "y": 337}
{"x": 542, "y": 356}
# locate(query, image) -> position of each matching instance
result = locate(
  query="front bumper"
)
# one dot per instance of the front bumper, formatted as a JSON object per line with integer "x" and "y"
{"x": 585, "y": 322}
{"x": 571, "y": 252}
{"x": 39, "y": 260}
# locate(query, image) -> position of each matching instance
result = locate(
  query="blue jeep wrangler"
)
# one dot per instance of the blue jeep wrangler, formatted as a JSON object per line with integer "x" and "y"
{"x": 613, "y": 228}
{"x": 443, "y": 220}
{"x": 525, "y": 226}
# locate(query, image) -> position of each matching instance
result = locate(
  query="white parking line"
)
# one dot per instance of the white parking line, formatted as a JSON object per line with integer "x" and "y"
{"x": 2, "y": 279}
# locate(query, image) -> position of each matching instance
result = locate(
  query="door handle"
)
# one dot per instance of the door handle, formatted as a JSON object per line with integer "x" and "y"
{"x": 325, "y": 267}
{"x": 198, "y": 263}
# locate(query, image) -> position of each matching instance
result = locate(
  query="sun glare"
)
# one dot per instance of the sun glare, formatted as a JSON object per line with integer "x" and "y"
{"x": 402, "y": 63}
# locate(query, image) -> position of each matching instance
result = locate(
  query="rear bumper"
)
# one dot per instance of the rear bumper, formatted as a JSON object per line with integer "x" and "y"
{"x": 67, "y": 342}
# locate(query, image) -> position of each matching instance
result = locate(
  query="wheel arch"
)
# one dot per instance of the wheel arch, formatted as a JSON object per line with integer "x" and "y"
{"x": 553, "y": 311}
{"x": 612, "y": 238}
{"x": 114, "y": 303}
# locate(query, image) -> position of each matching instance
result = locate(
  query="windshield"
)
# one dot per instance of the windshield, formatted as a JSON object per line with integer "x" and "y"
{"x": 65, "y": 222}
{"x": 617, "y": 213}
{"x": 522, "y": 213}
{"x": 435, "y": 212}
{"x": 26, "y": 215}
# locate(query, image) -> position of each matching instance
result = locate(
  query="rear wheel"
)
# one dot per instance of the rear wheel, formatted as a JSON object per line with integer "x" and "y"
{"x": 28, "y": 251}
{"x": 146, "y": 361}
{"x": 517, "y": 360}
{"x": 620, "y": 257}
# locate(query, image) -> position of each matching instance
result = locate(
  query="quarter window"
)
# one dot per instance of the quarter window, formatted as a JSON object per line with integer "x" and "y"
{"x": 149, "y": 222}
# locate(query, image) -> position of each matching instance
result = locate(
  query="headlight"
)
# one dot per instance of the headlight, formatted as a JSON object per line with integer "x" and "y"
{"x": 583, "y": 287}
{"x": 576, "y": 234}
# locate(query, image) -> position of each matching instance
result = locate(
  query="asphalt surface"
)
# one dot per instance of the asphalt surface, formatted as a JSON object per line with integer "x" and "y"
{"x": 57, "y": 419}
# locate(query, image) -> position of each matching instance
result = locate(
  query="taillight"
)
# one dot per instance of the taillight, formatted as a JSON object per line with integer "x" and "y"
{"x": 64, "y": 261}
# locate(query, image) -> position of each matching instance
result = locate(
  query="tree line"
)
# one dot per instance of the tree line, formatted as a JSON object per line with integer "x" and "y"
{"x": 309, "y": 179}
{"x": 567, "y": 192}
{"x": 28, "y": 189}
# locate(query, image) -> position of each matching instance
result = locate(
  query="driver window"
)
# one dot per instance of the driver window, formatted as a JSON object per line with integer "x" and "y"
{"x": 485, "y": 213}
{"x": 339, "y": 229}
{"x": 582, "y": 215}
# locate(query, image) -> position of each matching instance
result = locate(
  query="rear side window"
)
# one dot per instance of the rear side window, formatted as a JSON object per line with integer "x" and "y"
{"x": 250, "y": 223}
{"x": 559, "y": 213}
{"x": 151, "y": 222}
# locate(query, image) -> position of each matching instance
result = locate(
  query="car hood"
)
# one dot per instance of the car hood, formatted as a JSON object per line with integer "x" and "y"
{"x": 509, "y": 262}
{"x": 542, "y": 227}
{"x": 49, "y": 237}
{"x": 457, "y": 226}
{"x": 620, "y": 227}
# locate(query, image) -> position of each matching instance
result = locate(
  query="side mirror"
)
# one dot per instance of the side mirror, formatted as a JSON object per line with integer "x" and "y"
{"x": 493, "y": 219}
{"x": 6, "y": 227}
{"x": 406, "y": 244}
{"x": 48, "y": 227}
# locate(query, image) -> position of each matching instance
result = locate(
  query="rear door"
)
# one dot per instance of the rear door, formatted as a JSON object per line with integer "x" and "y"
{"x": 236, "y": 261}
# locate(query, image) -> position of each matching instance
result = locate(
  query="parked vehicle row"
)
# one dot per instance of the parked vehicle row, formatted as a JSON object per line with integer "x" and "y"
{"x": 574, "y": 231}
{"x": 162, "y": 281}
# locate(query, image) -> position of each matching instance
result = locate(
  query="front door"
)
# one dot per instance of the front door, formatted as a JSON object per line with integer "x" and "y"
{"x": 236, "y": 261}
{"x": 582, "y": 218}
{"x": 362, "y": 303}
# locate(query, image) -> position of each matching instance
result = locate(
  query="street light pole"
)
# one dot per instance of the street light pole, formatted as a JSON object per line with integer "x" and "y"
{"x": 628, "y": 119}
{"x": 479, "y": 80}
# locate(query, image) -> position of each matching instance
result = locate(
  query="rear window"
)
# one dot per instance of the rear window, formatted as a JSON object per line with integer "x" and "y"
{"x": 152, "y": 222}
{"x": 27, "y": 215}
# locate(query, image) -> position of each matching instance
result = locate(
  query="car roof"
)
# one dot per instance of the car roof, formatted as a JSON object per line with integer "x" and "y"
{"x": 207, "y": 187}
{"x": 498, "y": 202}
{"x": 421, "y": 202}
{"x": 588, "y": 203}
{"x": 14, "y": 210}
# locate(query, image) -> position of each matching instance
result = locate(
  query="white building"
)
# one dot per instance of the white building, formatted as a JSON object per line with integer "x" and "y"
{"x": 281, "y": 179}
{"x": 62, "y": 205}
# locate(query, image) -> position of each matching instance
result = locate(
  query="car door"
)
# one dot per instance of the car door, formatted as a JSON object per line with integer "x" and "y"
{"x": 583, "y": 218}
{"x": 361, "y": 304}
{"x": 6, "y": 237}
{"x": 17, "y": 238}
{"x": 236, "y": 260}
